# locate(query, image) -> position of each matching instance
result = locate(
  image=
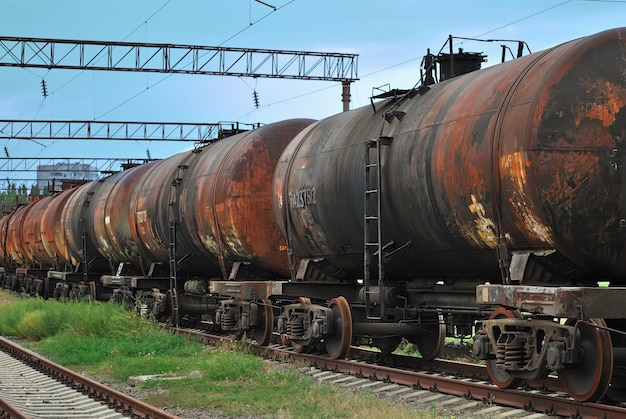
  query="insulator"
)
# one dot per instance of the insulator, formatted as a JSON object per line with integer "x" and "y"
{"x": 6, "y": 151}
{"x": 255, "y": 97}
{"x": 44, "y": 89}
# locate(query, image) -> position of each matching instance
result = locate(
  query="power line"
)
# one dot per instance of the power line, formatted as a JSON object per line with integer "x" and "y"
{"x": 123, "y": 39}
{"x": 170, "y": 75}
{"x": 146, "y": 21}
{"x": 524, "y": 18}
{"x": 420, "y": 58}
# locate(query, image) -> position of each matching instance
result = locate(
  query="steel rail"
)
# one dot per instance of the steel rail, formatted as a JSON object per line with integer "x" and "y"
{"x": 446, "y": 382}
{"x": 93, "y": 389}
{"x": 8, "y": 410}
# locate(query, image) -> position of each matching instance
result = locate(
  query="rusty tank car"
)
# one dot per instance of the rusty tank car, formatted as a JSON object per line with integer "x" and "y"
{"x": 200, "y": 208}
{"x": 513, "y": 174}
{"x": 491, "y": 204}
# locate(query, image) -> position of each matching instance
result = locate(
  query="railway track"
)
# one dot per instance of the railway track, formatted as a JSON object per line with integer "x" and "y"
{"x": 425, "y": 382}
{"x": 33, "y": 387}
{"x": 456, "y": 387}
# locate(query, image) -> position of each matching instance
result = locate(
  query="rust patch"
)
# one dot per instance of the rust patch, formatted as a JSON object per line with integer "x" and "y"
{"x": 607, "y": 105}
{"x": 514, "y": 166}
{"x": 485, "y": 227}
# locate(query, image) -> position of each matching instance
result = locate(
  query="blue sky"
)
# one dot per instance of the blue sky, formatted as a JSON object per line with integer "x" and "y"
{"x": 390, "y": 38}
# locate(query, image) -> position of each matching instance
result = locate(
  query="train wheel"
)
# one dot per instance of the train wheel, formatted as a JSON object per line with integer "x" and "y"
{"x": 499, "y": 377}
{"x": 338, "y": 343}
{"x": 618, "y": 378}
{"x": 172, "y": 296}
{"x": 263, "y": 332}
{"x": 431, "y": 340}
{"x": 589, "y": 380}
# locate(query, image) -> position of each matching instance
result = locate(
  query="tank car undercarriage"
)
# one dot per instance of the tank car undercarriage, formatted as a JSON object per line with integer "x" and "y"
{"x": 46, "y": 283}
{"x": 576, "y": 332}
{"x": 522, "y": 332}
{"x": 311, "y": 314}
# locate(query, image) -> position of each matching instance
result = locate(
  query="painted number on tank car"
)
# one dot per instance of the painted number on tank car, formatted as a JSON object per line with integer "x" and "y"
{"x": 302, "y": 198}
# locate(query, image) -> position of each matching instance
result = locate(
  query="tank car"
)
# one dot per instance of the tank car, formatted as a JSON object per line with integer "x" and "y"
{"x": 32, "y": 244}
{"x": 159, "y": 232}
{"x": 513, "y": 174}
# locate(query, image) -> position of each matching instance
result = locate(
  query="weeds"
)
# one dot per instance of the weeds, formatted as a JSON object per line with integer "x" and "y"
{"x": 106, "y": 340}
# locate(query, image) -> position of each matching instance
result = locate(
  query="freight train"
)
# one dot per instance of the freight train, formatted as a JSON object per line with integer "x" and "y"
{"x": 490, "y": 204}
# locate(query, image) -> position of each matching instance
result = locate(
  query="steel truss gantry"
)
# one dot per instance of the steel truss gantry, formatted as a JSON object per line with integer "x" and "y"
{"x": 119, "y": 130}
{"x": 182, "y": 59}
{"x": 83, "y": 164}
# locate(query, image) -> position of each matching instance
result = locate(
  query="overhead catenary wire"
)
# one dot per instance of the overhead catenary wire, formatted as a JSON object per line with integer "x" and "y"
{"x": 93, "y": 80}
{"x": 405, "y": 62}
{"x": 148, "y": 87}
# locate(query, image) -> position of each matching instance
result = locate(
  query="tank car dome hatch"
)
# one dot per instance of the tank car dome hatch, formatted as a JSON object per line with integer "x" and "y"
{"x": 459, "y": 63}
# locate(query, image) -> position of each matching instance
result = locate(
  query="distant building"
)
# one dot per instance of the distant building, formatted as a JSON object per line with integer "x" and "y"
{"x": 52, "y": 176}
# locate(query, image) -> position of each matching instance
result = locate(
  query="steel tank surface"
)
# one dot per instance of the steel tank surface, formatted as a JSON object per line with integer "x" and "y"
{"x": 52, "y": 234}
{"x": 151, "y": 208}
{"x": 12, "y": 237}
{"x": 76, "y": 218}
{"x": 4, "y": 231}
{"x": 110, "y": 218}
{"x": 531, "y": 150}
{"x": 31, "y": 233}
{"x": 220, "y": 195}
{"x": 227, "y": 204}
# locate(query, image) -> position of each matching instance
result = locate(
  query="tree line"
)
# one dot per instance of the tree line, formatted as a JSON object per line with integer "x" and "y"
{"x": 16, "y": 195}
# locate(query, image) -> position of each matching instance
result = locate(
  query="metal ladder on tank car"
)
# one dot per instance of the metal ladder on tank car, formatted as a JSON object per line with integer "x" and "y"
{"x": 174, "y": 218}
{"x": 372, "y": 228}
{"x": 172, "y": 253}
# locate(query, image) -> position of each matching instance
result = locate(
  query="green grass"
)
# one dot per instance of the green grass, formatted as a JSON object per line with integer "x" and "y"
{"x": 108, "y": 341}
